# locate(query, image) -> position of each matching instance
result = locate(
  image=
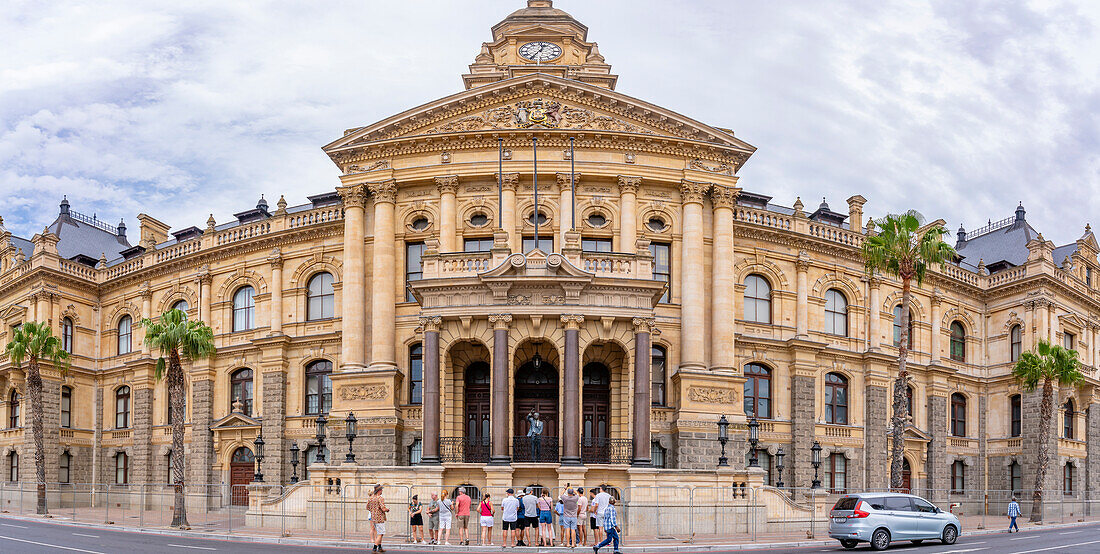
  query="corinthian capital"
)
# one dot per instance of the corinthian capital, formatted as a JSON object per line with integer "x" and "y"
{"x": 723, "y": 197}
{"x": 693, "y": 191}
{"x": 566, "y": 183}
{"x": 447, "y": 184}
{"x": 386, "y": 191}
{"x": 572, "y": 321}
{"x": 508, "y": 181}
{"x": 629, "y": 183}
{"x": 354, "y": 196}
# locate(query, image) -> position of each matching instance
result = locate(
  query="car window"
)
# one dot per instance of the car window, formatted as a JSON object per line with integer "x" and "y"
{"x": 898, "y": 503}
{"x": 923, "y": 506}
{"x": 876, "y": 502}
{"x": 846, "y": 503}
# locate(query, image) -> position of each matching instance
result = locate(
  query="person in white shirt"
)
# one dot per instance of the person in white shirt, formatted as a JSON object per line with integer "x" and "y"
{"x": 509, "y": 513}
{"x": 601, "y": 502}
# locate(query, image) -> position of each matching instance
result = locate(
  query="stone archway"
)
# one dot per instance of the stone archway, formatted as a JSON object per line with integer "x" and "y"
{"x": 536, "y": 391}
{"x": 242, "y": 466}
{"x": 605, "y": 416}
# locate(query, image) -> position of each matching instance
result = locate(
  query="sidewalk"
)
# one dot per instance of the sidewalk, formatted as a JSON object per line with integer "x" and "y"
{"x": 630, "y": 544}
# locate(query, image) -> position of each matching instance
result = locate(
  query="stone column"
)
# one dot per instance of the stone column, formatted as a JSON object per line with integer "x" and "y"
{"x": 628, "y": 215}
{"x": 937, "y": 308}
{"x": 141, "y": 411}
{"x": 877, "y": 405}
{"x": 723, "y": 357}
{"x": 430, "y": 454}
{"x": 146, "y": 312}
{"x": 937, "y": 467}
{"x": 565, "y": 201}
{"x": 693, "y": 289}
{"x": 202, "y": 440}
{"x": 383, "y": 283}
{"x": 1092, "y": 450}
{"x": 873, "y": 314}
{"x": 508, "y": 183}
{"x": 499, "y": 408}
{"x": 273, "y": 425}
{"x": 353, "y": 306}
{"x": 42, "y": 307}
{"x": 802, "y": 323}
{"x": 204, "y": 297}
{"x": 448, "y": 237}
{"x": 803, "y": 402}
{"x": 571, "y": 429}
{"x": 276, "y": 260}
{"x": 643, "y": 354}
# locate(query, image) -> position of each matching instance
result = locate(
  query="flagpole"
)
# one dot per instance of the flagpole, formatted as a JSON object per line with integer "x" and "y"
{"x": 500, "y": 183}
{"x": 535, "y": 158}
{"x": 572, "y": 187}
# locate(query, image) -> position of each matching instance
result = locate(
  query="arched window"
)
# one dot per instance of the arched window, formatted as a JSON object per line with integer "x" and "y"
{"x": 240, "y": 389}
{"x": 958, "y": 477}
{"x": 122, "y": 468}
{"x": 1016, "y": 474}
{"x": 13, "y": 466}
{"x": 64, "y": 464}
{"x": 66, "y": 406}
{"x": 125, "y": 332}
{"x": 182, "y": 306}
{"x": 836, "y": 313}
{"x": 13, "y": 409}
{"x": 897, "y": 327}
{"x": 958, "y": 342}
{"x": 244, "y": 308}
{"x": 1016, "y": 410}
{"x": 318, "y": 387}
{"x": 67, "y": 335}
{"x": 1017, "y": 337}
{"x": 758, "y": 299}
{"x": 958, "y": 415}
{"x": 836, "y": 399}
{"x": 657, "y": 370}
{"x": 320, "y": 298}
{"x": 1067, "y": 420}
{"x": 416, "y": 374}
{"x": 122, "y": 408}
{"x": 758, "y": 391}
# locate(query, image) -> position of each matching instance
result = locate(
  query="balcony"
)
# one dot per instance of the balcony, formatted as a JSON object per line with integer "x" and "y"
{"x": 606, "y": 451}
{"x": 536, "y": 450}
{"x": 465, "y": 450}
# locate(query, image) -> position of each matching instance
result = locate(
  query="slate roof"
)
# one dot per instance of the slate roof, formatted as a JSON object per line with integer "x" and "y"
{"x": 23, "y": 244}
{"x": 76, "y": 237}
{"x": 1064, "y": 251}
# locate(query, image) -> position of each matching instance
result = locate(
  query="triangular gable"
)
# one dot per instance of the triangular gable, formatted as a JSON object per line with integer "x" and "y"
{"x": 492, "y": 107}
{"x": 914, "y": 434}
{"x": 14, "y": 311}
{"x": 1072, "y": 319}
{"x": 235, "y": 420}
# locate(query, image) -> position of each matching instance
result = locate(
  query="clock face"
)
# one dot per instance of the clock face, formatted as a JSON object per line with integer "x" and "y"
{"x": 540, "y": 51}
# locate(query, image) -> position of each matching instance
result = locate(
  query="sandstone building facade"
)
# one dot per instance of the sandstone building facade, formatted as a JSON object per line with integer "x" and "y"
{"x": 659, "y": 294}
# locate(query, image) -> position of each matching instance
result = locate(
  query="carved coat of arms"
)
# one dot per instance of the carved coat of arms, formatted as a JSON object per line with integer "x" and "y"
{"x": 537, "y": 112}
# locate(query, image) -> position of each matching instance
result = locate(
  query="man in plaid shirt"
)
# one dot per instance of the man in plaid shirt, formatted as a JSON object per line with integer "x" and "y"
{"x": 611, "y": 527}
{"x": 1013, "y": 513}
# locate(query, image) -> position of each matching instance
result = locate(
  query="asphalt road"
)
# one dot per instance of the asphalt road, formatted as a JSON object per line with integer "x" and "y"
{"x": 32, "y": 537}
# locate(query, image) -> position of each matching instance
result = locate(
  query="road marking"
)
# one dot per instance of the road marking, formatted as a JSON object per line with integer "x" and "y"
{"x": 1072, "y": 532}
{"x": 50, "y": 545}
{"x": 1056, "y": 547}
{"x": 1024, "y": 538}
{"x": 967, "y": 550}
{"x": 83, "y": 535}
{"x": 195, "y": 547}
{"x": 10, "y": 525}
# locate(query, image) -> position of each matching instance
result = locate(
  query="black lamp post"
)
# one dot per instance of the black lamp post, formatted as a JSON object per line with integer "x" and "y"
{"x": 294, "y": 450}
{"x": 322, "y": 421}
{"x": 816, "y": 450}
{"x": 779, "y": 466}
{"x": 723, "y": 438}
{"x": 259, "y": 442}
{"x": 350, "y": 432}
{"x": 754, "y": 439}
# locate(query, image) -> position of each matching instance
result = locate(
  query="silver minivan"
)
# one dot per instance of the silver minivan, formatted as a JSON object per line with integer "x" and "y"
{"x": 879, "y": 518}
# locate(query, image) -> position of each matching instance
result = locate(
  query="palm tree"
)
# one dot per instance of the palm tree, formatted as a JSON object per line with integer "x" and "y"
{"x": 34, "y": 342}
{"x": 175, "y": 336}
{"x": 1048, "y": 363}
{"x": 902, "y": 248}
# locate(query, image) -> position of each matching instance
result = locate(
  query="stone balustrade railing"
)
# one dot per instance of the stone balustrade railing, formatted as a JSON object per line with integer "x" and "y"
{"x": 609, "y": 264}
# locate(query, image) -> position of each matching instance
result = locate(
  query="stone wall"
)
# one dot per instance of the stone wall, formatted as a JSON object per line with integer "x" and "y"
{"x": 937, "y": 470}
{"x": 202, "y": 444}
{"x": 803, "y": 403}
{"x": 877, "y": 443}
{"x": 273, "y": 427}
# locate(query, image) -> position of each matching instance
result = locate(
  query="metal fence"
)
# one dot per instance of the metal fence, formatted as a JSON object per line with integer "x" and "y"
{"x": 654, "y": 514}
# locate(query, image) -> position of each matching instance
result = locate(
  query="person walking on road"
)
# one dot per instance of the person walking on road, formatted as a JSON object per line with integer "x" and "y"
{"x": 485, "y": 511}
{"x": 1013, "y": 513}
{"x": 509, "y": 516}
{"x": 601, "y": 502}
{"x": 611, "y": 527}
{"x": 377, "y": 508}
{"x": 462, "y": 511}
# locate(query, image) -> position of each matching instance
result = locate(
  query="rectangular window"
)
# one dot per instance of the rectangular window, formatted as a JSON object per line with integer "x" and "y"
{"x": 657, "y": 454}
{"x": 1067, "y": 479}
{"x": 416, "y": 374}
{"x": 1017, "y": 478}
{"x": 546, "y": 244}
{"x": 836, "y": 473}
{"x": 63, "y": 467}
{"x": 958, "y": 477}
{"x": 122, "y": 469}
{"x": 662, "y": 266}
{"x": 414, "y": 267}
{"x": 415, "y": 451}
{"x": 66, "y": 407}
{"x": 596, "y": 245}
{"x": 1017, "y": 415}
{"x": 477, "y": 245}
{"x": 657, "y": 371}
{"x": 1088, "y": 277}
{"x": 1070, "y": 341}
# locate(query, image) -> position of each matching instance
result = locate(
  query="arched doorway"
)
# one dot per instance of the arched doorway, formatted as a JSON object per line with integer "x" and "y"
{"x": 596, "y": 414}
{"x": 536, "y": 391}
{"x": 906, "y": 476}
{"x": 477, "y": 410}
{"x": 242, "y": 467}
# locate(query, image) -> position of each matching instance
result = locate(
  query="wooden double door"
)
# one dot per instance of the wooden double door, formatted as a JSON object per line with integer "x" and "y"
{"x": 596, "y": 414}
{"x": 242, "y": 468}
{"x": 478, "y": 437}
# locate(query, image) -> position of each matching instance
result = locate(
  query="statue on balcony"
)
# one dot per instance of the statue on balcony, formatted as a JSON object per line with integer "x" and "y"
{"x": 534, "y": 433}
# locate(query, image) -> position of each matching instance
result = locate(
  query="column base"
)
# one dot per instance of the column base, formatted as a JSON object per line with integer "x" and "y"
{"x": 500, "y": 460}
{"x": 430, "y": 461}
{"x": 571, "y": 461}
{"x": 641, "y": 462}
{"x": 348, "y": 367}
{"x": 693, "y": 366}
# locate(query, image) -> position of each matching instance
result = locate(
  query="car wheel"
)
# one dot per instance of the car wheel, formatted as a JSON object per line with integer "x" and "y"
{"x": 918, "y": 541}
{"x": 950, "y": 535}
{"x": 880, "y": 539}
{"x": 848, "y": 543}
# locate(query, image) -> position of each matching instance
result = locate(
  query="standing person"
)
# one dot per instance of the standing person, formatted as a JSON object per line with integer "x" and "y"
{"x": 531, "y": 510}
{"x": 433, "y": 519}
{"x": 597, "y": 532}
{"x": 546, "y": 519}
{"x": 446, "y": 512}
{"x": 416, "y": 520}
{"x": 534, "y": 433}
{"x": 602, "y": 501}
{"x": 569, "y": 504}
{"x": 485, "y": 510}
{"x": 582, "y": 517}
{"x": 509, "y": 516}
{"x": 611, "y": 527}
{"x": 376, "y": 505}
{"x": 1013, "y": 513}
{"x": 462, "y": 510}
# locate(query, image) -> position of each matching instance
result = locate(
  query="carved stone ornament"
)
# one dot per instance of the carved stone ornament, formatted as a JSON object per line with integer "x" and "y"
{"x": 692, "y": 191}
{"x": 380, "y": 164}
{"x": 386, "y": 191}
{"x": 710, "y": 395}
{"x": 567, "y": 180}
{"x": 572, "y": 321}
{"x": 628, "y": 183}
{"x": 447, "y": 184}
{"x": 363, "y": 392}
{"x": 720, "y": 168}
{"x": 500, "y": 321}
{"x": 644, "y": 324}
{"x": 509, "y": 181}
{"x": 723, "y": 197}
{"x": 538, "y": 113}
{"x": 354, "y": 196}
{"x": 430, "y": 323}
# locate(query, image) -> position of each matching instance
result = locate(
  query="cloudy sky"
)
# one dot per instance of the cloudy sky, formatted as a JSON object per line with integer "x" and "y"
{"x": 181, "y": 109}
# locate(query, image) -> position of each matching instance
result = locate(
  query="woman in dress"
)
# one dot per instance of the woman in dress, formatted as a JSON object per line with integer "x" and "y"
{"x": 416, "y": 520}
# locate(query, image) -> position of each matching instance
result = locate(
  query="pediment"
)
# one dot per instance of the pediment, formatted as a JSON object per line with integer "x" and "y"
{"x": 536, "y": 264}
{"x": 914, "y": 434}
{"x": 566, "y": 104}
{"x": 235, "y": 420}
{"x": 13, "y": 312}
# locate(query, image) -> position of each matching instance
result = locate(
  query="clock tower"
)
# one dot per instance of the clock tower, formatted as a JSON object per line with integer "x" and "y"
{"x": 539, "y": 39}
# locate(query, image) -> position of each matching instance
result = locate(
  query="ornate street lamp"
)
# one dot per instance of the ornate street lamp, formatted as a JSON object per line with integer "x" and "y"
{"x": 754, "y": 439}
{"x": 723, "y": 438}
{"x": 259, "y": 442}
{"x": 816, "y": 450}
{"x": 322, "y": 421}
{"x": 350, "y": 433}
{"x": 779, "y": 466}
{"x": 294, "y": 450}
